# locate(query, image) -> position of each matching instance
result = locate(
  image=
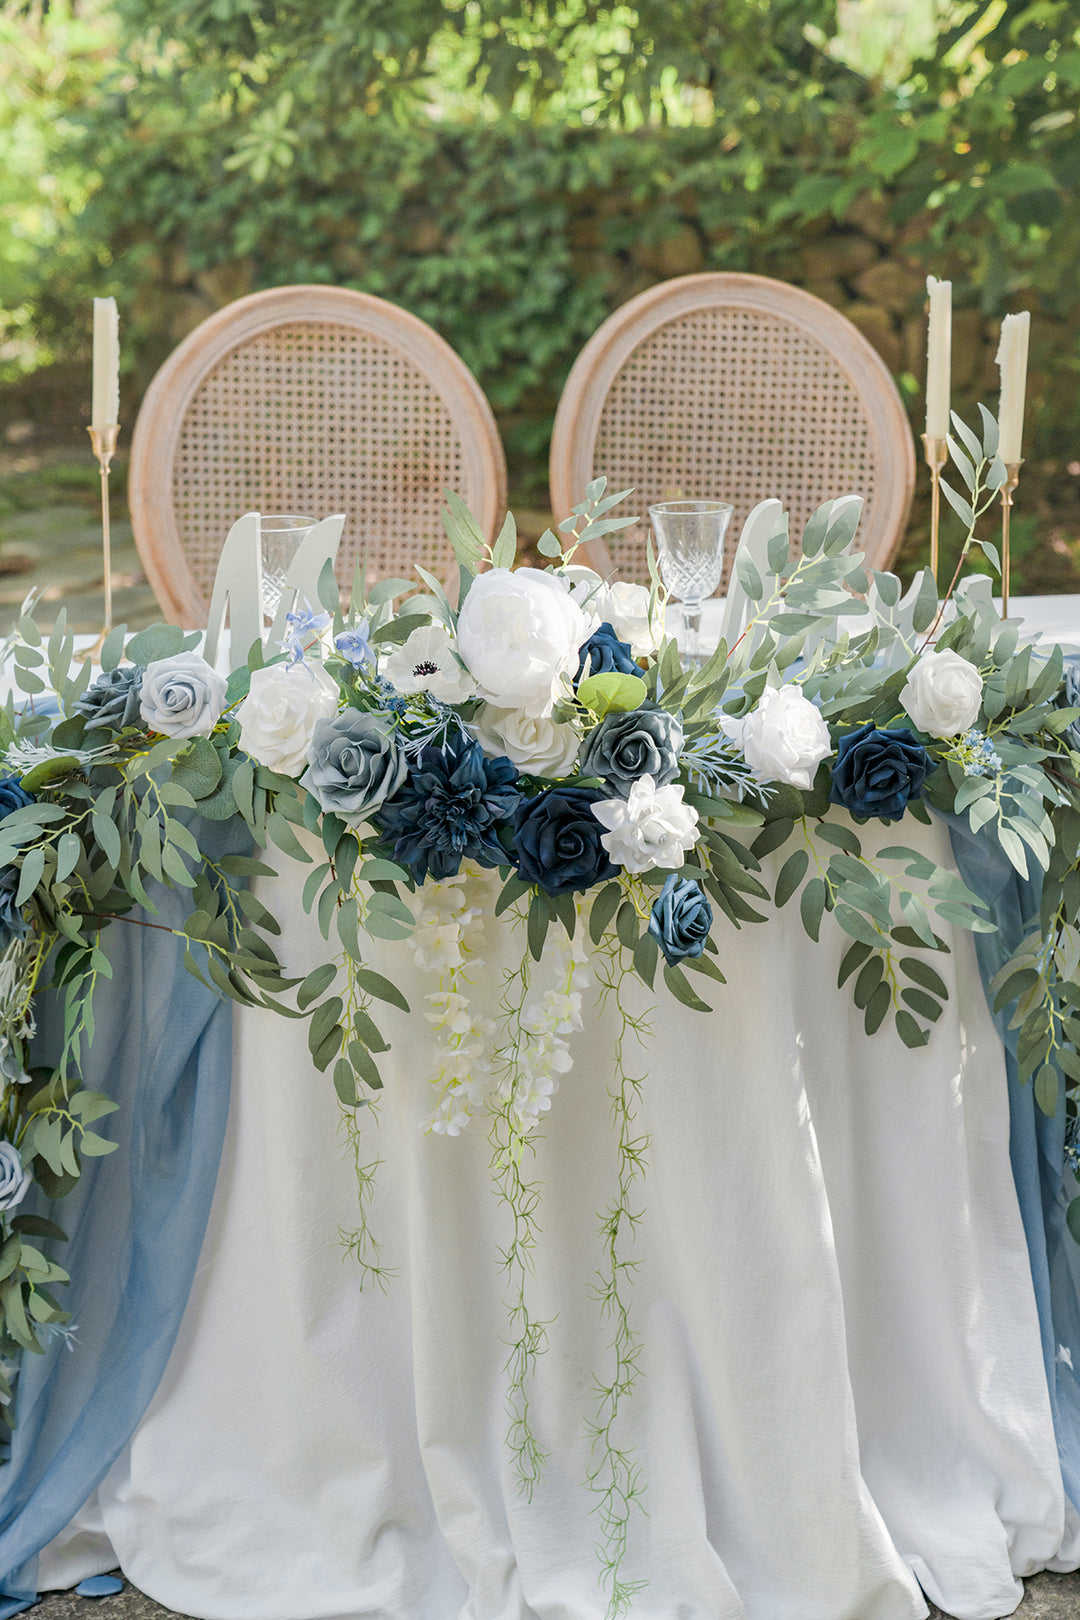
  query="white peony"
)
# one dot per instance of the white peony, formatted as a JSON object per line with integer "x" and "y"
{"x": 626, "y": 608}
{"x": 278, "y": 716}
{"x": 540, "y": 746}
{"x": 182, "y": 696}
{"x": 427, "y": 662}
{"x": 784, "y": 739}
{"x": 519, "y": 633}
{"x": 586, "y": 587}
{"x": 943, "y": 694}
{"x": 650, "y": 827}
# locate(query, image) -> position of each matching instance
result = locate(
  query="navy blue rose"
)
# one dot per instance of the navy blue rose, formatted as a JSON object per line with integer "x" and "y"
{"x": 112, "y": 701}
{"x": 681, "y": 919}
{"x": 634, "y": 743}
{"x": 13, "y": 924}
{"x": 877, "y": 772}
{"x": 451, "y": 807}
{"x": 557, "y": 839}
{"x": 12, "y": 795}
{"x": 604, "y": 654}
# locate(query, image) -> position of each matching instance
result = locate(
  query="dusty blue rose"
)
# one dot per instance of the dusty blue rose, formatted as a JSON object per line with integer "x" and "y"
{"x": 557, "y": 840}
{"x": 13, "y": 796}
{"x": 14, "y": 1177}
{"x": 878, "y": 771}
{"x": 356, "y": 763}
{"x": 603, "y": 654}
{"x": 639, "y": 742}
{"x": 182, "y": 696}
{"x": 681, "y": 919}
{"x": 112, "y": 701}
{"x": 451, "y": 807}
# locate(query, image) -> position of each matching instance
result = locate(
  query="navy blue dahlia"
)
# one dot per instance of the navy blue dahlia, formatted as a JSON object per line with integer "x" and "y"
{"x": 450, "y": 808}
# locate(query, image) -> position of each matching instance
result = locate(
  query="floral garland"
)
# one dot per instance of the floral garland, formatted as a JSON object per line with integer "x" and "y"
{"x": 543, "y": 729}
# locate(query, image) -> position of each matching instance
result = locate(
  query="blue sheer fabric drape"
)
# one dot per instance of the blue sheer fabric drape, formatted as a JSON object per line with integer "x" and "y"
{"x": 1036, "y": 1145}
{"x": 136, "y": 1221}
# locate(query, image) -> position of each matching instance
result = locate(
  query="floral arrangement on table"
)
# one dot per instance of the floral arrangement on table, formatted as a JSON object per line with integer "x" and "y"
{"x": 543, "y": 727}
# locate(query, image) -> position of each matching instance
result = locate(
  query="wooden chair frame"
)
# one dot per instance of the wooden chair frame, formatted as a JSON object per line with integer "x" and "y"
{"x": 157, "y": 431}
{"x": 578, "y": 418}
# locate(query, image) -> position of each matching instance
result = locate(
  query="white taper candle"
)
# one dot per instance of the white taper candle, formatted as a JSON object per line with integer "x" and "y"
{"x": 1012, "y": 360}
{"x": 938, "y": 358}
{"x": 105, "y": 405}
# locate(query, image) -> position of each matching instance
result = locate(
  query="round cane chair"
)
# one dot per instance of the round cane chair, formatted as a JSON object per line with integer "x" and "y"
{"x": 732, "y": 387}
{"x": 315, "y": 400}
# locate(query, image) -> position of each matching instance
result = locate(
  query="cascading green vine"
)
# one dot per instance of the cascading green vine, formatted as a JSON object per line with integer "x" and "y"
{"x": 615, "y": 1475}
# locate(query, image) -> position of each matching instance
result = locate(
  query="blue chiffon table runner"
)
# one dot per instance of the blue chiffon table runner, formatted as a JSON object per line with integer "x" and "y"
{"x": 136, "y": 1221}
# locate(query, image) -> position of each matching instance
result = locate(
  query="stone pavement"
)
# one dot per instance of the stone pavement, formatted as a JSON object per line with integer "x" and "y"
{"x": 1048, "y": 1597}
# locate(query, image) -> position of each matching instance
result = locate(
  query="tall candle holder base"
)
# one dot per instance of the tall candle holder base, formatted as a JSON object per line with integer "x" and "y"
{"x": 937, "y": 454}
{"x": 104, "y": 440}
{"x": 1012, "y": 469}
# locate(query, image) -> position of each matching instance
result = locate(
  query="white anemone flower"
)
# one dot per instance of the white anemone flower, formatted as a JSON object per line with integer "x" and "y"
{"x": 428, "y": 662}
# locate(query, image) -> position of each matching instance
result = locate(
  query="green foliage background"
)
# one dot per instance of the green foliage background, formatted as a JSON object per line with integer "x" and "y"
{"x": 511, "y": 170}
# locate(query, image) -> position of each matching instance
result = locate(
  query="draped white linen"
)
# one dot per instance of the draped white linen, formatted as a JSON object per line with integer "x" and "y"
{"x": 841, "y": 1381}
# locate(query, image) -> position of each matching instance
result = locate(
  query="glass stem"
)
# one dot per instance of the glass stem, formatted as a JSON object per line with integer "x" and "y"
{"x": 692, "y": 620}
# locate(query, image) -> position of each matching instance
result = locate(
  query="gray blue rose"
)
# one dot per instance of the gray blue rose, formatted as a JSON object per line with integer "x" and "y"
{"x": 632, "y": 744}
{"x": 113, "y": 700}
{"x": 356, "y": 764}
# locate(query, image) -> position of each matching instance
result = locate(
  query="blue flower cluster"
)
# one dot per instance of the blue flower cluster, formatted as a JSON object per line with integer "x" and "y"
{"x": 978, "y": 755}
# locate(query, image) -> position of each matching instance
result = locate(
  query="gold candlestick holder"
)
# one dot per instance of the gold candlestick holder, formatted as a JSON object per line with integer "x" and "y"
{"x": 937, "y": 454}
{"x": 1012, "y": 469}
{"x": 103, "y": 440}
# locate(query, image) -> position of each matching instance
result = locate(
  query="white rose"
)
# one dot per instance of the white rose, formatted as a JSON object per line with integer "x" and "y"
{"x": 650, "y": 827}
{"x": 943, "y": 694}
{"x": 784, "y": 739}
{"x": 540, "y": 746}
{"x": 278, "y": 716}
{"x": 427, "y": 662}
{"x": 519, "y": 633}
{"x": 182, "y": 696}
{"x": 626, "y": 608}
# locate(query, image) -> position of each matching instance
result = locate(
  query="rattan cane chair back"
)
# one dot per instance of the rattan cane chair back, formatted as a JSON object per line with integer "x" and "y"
{"x": 737, "y": 388}
{"x": 311, "y": 400}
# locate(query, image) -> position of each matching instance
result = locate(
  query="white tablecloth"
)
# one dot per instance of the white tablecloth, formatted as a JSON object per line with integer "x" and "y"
{"x": 841, "y": 1382}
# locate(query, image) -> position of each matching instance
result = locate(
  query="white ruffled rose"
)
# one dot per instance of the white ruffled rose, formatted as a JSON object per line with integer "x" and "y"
{"x": 278, "y": 716}
{"x": 650, "y": 827}
{"x": 427, "y": 662}
{"x": 541, "y": 746}
{"x": 943, "y": 694}
{"x": 626, "y": 608}
{"x": 784, "y": 739}
{"x": 182, "y": 696}
{"x": 519, "y": 634}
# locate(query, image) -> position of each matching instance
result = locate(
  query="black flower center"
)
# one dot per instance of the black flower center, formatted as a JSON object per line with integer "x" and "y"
{"x": 425, "y": 667}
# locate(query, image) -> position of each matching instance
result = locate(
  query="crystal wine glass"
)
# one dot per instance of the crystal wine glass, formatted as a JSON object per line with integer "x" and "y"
{"x": 280, "y": 537}
{"x": 690, "y": 551}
